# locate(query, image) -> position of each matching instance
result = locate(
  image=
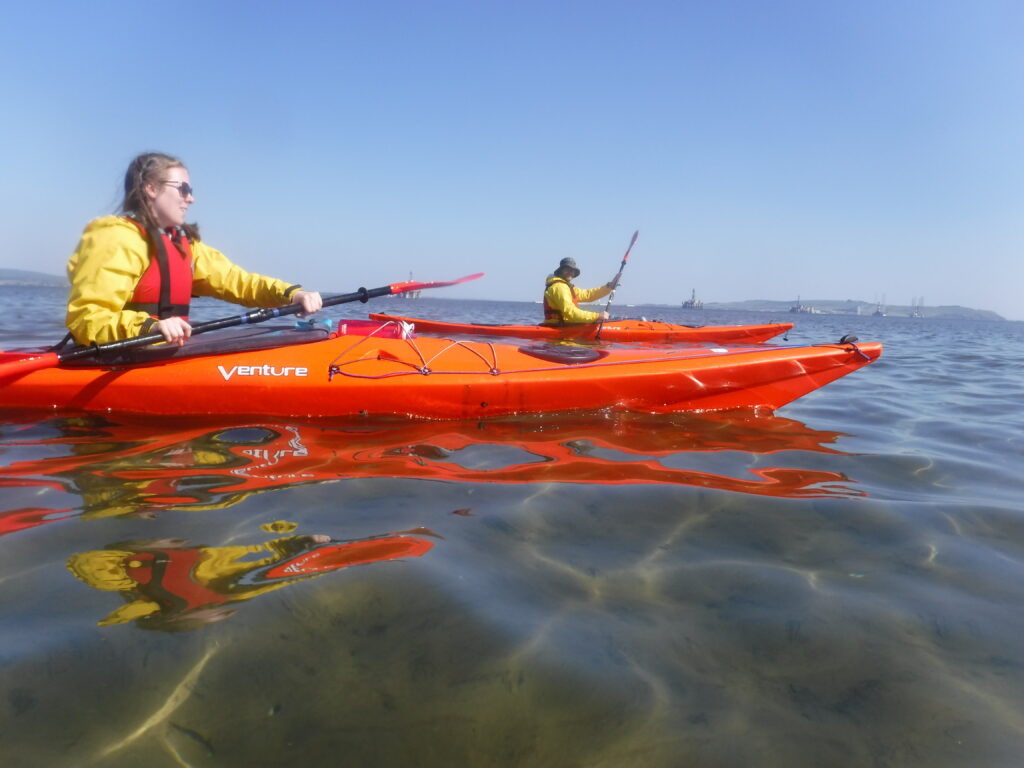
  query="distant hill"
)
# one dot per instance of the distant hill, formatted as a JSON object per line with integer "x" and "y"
{"x": 25, "y": 277}
{"x": 853, "y": 307}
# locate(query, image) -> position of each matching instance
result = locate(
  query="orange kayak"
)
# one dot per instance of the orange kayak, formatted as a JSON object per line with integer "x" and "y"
{"x": 614, "y": 330}
{"x": 432, "y": 378}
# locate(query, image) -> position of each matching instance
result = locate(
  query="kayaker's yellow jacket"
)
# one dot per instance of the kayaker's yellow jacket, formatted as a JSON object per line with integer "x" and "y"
{"x": 111, "y": 257}
{"x": 562, "y": 297}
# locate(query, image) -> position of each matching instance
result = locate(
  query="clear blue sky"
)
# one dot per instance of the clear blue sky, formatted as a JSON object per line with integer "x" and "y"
{"x": 854, "y": 149}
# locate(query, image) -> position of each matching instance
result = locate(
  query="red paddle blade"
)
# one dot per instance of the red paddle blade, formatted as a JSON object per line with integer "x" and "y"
{"x": 28, "y": 364}
{"x": 412, "y": 286}
{"x": 631, "y": 244}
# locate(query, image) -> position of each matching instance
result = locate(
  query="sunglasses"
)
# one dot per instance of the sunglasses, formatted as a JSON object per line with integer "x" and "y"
{"x": 184, "y": 188}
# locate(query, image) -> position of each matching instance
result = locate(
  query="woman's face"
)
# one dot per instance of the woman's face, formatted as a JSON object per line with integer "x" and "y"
{"x": 171, "y": 197}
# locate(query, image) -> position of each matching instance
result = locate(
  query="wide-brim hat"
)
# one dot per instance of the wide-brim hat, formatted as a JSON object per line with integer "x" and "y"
{"x": 569, "y": 263}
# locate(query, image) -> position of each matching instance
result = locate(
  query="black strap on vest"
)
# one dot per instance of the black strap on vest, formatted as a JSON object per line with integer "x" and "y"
{"x": 164, "y": 309}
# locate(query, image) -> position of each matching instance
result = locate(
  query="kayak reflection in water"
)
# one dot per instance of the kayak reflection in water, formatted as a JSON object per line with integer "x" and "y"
{"x": 134, "y": 273}
{"x": 172, "y": 587}
{"x": 562, "y": 298}
{"x": 134, "y": 470}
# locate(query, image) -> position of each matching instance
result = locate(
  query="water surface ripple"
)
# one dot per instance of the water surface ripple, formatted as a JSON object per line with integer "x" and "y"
{"x": 837, "y": 584}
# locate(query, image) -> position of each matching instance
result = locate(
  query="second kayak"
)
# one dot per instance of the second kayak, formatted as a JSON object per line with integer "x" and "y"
{"x": 612, "y": 330}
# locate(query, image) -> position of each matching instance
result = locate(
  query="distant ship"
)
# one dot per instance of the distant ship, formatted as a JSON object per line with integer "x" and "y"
{"x": 692, "y": 302}
{"x": 916, "y": 307}
{"x": 804, "y": 309}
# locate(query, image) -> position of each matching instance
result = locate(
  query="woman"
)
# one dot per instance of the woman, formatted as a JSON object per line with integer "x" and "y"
{"x": 134, "y": 273}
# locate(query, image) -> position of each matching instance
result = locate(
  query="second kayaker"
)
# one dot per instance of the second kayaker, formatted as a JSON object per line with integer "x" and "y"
{"x": 135, "y": 273}
{"x": 562, "y": 298}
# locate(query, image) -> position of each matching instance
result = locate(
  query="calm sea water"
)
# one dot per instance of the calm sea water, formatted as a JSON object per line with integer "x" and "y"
{"x": 840, "y": 584}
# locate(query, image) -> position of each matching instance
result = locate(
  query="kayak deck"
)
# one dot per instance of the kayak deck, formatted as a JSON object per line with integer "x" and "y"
{"x": 652, "y": 331}
{"x": 436, "y": 378}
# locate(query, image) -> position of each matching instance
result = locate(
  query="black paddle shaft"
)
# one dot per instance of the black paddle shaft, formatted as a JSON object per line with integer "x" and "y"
{"x": 249, "y": 318}
{"x": 615, "y": 282}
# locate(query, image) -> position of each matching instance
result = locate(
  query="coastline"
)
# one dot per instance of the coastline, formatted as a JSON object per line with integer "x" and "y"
{"x": 18, "y": 278}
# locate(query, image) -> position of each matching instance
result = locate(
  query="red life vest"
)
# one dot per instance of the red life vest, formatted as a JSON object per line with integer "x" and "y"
{"x": 165, "y": 288}
{"x": 551, "y": 315}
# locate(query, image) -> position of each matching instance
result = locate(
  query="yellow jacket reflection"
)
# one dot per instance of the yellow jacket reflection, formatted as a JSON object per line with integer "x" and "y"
{"x": 170, "y": 586}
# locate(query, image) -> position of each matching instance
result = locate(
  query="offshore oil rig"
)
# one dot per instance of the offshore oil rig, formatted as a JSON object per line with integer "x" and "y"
{"x": 693, "y": 302}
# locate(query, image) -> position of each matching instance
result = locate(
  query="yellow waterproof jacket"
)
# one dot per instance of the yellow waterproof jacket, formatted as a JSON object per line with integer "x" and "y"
{"x": 558, "y": 297}
{"x": 111, "y": 257}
